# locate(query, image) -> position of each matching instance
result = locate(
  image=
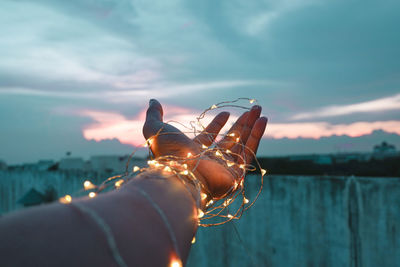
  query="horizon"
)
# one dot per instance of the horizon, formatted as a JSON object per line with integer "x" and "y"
{"x": 142, "y": 153}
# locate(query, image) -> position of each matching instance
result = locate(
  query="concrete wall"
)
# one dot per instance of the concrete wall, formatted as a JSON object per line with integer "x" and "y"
{"x": 310, "y": 221}
{"x": 297, "y": 221}
{"x": 14, "y": 184}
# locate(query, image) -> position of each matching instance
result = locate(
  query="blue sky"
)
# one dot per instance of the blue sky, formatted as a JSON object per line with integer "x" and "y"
{"x": 77, "y": 75}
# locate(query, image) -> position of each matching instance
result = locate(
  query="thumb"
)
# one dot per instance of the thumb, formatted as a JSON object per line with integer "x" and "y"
{"x": 154, "y": 117}
{"x": 155, "y": 111}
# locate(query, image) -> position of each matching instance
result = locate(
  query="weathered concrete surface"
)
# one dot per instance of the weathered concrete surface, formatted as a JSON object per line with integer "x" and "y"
{"x": 14, "y": 184}
{"x": 310, "y": 221}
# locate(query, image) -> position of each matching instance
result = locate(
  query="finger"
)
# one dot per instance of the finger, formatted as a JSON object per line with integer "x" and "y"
{"x": 251, "y": 119}
{"x": 208, "y": 135}
{"x": 229, "y": 141}
{"x": 245, "y": 131}
{"x": 155, "y": 111}
{"x": 154, "y": 116}
{"x": 254, "y": 139}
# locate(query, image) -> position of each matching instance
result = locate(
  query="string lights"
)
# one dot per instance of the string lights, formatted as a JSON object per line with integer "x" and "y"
{"x": 215, "y": 210}
{"x": 177, "y": 166}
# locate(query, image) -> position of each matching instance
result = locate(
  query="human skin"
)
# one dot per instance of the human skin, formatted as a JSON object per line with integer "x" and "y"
{"x": 62, "y": 235}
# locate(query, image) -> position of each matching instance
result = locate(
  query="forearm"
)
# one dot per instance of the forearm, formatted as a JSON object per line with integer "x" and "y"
{"x": 65, "y": 235}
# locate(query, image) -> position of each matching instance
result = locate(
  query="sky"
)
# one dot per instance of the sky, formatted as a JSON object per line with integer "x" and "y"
{"x": 77, "y": 75}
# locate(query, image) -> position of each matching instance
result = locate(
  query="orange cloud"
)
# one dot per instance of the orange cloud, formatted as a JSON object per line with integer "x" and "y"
{"x": 110, "y": 125}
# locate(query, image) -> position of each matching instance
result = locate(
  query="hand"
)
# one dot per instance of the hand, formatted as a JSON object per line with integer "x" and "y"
{"x": 214, "y": 174}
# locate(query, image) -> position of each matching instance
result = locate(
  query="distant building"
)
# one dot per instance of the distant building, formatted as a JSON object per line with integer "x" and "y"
{"x": 3, "y": 165}
{"x": 384, "y": 150}
{"x": 71, "y": 164}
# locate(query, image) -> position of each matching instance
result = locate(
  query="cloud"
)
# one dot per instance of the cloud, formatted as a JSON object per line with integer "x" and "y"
{"x": 110, "y": 125}
{"x": 378, "y": 105}
{"x": 142, "y": 92}
{"x": 317, "y": 130}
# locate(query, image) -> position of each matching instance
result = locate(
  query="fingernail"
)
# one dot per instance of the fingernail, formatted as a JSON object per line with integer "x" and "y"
{"x": 152, "y": 101}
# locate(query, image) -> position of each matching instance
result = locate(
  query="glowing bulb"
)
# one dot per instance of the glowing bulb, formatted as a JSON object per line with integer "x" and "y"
{"x": 230, "y": 163}
{"x": 151, "y": 162}
{"x": 148, "y": 142}
{"x": 238, "y": 139}
{"x": 263, "y": 172}
{"x": 136, "y": 168}
{"x": 245, "y": 200}
{"x": 218, "y": 153}
{"x": 228, "y": 151}
{"x": 231, "y": 134}
{"x": 92, "y": 194}
{"x": 204, "y": 146}
{"x": 175, "y": 263}
{"x": 184, "y": 165}
{"x": 209, "y": 203}
{"x": 235, "y": 184}
{"x": 167, "y": 169}
{"x": 118, "y": 183}
{"x": 203, "y": 196}
{"x": 242, "y": 166}
{"x": 158, "y": 164}
{"x": 213, "y": 107}
{"x": 200, "y": 213}
{"x": 88, "y": 185}
{"x": 230, "y": 216}
{"x": 189, "y": 155}
{"x": 252, "y": 101}
{"x": 185, "y": 172}
{"x": 226, "y": 202}
{"x": 66, "y": 199}
{"x": 194, "y": 240}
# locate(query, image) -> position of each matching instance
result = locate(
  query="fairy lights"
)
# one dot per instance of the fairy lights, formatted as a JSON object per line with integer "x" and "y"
{"x": 230, "y": 163}
{"x": 215, "y": 211}
{"x": 118, "y": 183}
{"x": 167, "y": 169}
{"x": 66, "y": 199}
{"x": 136, "y": 169}
{"x": 200, "y": 213}
{"x": 175, "y": 263}
{"x": 88, "y": 185}
{"x": 263, "y": 172}
{"x": 148, "y": 143}
{"x": 218, "y": 153}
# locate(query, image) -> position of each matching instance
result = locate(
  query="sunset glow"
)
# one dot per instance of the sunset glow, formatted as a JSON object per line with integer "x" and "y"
{"x": 129, "y": 131}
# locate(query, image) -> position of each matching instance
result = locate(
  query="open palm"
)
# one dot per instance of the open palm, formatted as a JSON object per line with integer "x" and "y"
{"x": 215, "y": 175}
